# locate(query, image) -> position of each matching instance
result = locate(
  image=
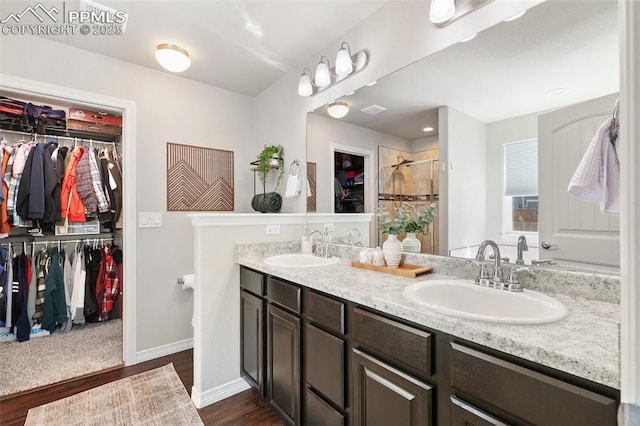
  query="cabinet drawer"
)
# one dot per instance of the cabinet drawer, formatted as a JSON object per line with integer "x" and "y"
{"x": 325, "y": 364}
{"x": 325, "y": 311}
{"x": 464, "y": 414}
{"x": 319, "y": 413}
{"x": 284, "y": 294}
{"x": 406, "y": 346}
{"x": 546, "y": 401}
{"x": 252, "y": 281}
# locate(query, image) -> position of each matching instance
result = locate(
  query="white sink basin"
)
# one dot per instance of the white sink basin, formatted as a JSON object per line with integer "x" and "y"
{"x": 464, "y": 299}
{"x": 297, "y": 260}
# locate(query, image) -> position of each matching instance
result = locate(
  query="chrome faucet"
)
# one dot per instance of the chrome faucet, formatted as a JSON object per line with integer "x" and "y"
{"x": 321, "y": 249}
{"x": 522, "y": 246}
{"x": 497, "y": 270}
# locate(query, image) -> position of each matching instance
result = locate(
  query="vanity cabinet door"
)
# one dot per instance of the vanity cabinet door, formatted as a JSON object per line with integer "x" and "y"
{"x": 283, "y": 364}
{"x": 252, "y": 339}
{"x": 384, "y": 395}
{"x": 325, "y": 364}
{"x": 464, "y": 414}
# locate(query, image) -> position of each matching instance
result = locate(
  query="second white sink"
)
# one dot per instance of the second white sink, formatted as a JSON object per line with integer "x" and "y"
{"x": 464, "y": 299}
{"x": 298, "y": 260}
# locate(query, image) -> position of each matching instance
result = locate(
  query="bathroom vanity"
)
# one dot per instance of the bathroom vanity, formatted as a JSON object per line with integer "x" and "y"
{"x": 340, "y": 346}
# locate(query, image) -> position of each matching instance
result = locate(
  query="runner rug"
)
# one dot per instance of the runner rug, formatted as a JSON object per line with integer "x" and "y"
{"x": 155, "y": 397}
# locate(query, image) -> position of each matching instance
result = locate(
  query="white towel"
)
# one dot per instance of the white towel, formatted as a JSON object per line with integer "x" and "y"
{"x": 597, "y": 178}
{"x": 294, "y": 182}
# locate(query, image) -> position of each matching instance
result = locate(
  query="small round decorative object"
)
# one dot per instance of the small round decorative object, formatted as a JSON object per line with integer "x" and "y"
{"x": 411, "y": 243}
{"x": 392, "y": 249}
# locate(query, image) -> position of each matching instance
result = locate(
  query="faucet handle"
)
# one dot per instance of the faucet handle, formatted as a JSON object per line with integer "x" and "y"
{"x": 483, "y": 278}
{"x": 513, "y": 284}
{"x": 504, "y": 259}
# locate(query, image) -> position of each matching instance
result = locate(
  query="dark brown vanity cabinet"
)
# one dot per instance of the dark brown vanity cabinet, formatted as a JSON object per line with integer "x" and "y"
{"x": 321, "y": 361}
{"x": 283, "y": 349}
{"x": 325, "y": 361}
{"x": 252, "y": 328}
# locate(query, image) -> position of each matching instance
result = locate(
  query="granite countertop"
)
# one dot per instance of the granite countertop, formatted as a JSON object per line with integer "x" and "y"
{"x": 585, "y": 344}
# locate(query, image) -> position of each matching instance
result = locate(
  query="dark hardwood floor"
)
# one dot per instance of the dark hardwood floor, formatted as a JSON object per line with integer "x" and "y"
{"x": 245, "y": 408}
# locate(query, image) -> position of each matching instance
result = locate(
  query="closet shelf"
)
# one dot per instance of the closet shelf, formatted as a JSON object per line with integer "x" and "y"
{"x": 26, "y": 238}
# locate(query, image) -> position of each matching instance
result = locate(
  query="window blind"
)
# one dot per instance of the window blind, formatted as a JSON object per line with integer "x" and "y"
{"x": 521, "y": 168}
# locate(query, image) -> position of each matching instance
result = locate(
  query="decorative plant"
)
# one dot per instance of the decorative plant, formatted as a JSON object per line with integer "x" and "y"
{"x": 407, "y": 218}
{"x": 270, "y": 152}
{"x": 414, "y": 220}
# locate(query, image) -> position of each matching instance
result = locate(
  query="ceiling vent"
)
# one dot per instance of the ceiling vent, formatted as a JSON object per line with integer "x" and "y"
{"x": 373, "y": 109}
{"x": 107, "y": 12}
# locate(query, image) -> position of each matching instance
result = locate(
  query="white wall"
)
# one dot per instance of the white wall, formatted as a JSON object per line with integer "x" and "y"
{"x": 499, "y": 133}
{"x": 425, "y": 144}
{"x": 322, "y": 132}
{"x": 169, "y": 109}
{"x": 466, "y": 162}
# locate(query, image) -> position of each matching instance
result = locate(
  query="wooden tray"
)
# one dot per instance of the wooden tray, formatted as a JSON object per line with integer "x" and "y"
{"x": 404, "y": 270}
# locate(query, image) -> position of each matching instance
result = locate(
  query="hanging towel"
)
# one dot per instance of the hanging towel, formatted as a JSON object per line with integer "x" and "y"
{"x": 294, "y": 182}
{"x": 597, "y": 178}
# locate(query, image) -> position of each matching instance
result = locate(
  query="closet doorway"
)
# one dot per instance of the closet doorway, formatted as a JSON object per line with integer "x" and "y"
{"x": 125, "y": 331}
{"x": 353, "y": 179}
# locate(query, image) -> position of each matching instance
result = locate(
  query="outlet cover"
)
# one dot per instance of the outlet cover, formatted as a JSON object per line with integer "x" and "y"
{"x": 150, "y": 220}
{"x": 273, "y": 229}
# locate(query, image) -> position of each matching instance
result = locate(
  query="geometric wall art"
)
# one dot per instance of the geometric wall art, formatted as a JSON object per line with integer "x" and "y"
{"x": 199, "y": 179}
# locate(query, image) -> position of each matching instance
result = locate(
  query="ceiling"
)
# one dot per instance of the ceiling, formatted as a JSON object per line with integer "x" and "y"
{"x": 506, "y": 71}
{"x": 243, "y": 46}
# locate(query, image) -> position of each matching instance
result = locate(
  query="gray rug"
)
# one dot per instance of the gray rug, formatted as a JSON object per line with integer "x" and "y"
{"x": 155, "y": 397}
{"x": 49, "y": 359}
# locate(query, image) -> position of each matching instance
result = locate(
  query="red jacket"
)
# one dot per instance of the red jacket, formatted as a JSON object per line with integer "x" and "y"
{"x": 69, "y": 199}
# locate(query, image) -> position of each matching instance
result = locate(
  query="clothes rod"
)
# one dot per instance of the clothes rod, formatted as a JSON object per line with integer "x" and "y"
{"x": 69, "y": 138}
{"x": 56, "y": 242}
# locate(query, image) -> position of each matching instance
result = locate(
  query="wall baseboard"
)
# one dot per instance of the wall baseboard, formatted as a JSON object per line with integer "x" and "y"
{"x": 160, "y": 351}
{"x": 218, "y": 393}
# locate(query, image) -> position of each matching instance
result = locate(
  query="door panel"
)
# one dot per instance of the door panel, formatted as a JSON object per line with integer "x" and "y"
{"x": 577, "y": 230}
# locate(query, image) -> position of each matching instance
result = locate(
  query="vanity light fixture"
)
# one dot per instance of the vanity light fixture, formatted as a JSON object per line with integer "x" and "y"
{"x": 442, "y": 11}
{"x": 516, "y": 16}
{"x": 428, "y": 129}
{"x": 338, "y": 109}
{"x": 325, "y": 76}
{"x": 172, "y": 57}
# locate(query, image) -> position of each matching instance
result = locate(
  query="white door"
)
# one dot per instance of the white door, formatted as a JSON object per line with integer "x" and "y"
{"x": 576, "y": 230}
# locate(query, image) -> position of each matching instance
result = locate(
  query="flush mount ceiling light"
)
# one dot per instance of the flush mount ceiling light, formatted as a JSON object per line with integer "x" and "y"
{"x": 471, "y": 37}
{"x": 325, "y": 76}
{"x": 172, "y": 57}
{"x": 444, "y": 12}
{"x": 557, "y": 92}
{"x": 338, "y": 109}
{"x": 428, "y": 129}
{"x": 371, "y": 83}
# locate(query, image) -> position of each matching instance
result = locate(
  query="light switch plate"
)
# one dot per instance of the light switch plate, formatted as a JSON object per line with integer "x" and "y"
{"x": 150, "y": 220}
{"x": 273, "y": 229}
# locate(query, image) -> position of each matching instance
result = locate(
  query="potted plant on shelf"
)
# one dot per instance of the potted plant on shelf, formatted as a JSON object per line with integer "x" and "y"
{"x": 271, "y": 157}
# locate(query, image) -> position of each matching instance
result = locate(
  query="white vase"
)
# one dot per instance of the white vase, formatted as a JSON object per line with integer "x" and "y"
{"x": 411, "y": 243}
{"x": 392, "y": 249}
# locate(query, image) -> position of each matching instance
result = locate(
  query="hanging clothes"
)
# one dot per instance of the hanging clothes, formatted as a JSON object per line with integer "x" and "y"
{"x": 55, "y": 308}
{"x": 33, "y": 291}
{"x": 84, "y": 186}
{"x": 78, "y": 294}
{"x": 43, "y": 258}
{"x": 16, "y": 178}
{"x": 22, "y": 328}
{"x": 92, "y": 265}
{"x": 5, "y": 227}
{"x": 70, "y": 203}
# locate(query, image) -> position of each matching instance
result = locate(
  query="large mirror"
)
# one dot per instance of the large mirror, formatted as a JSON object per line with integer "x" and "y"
{"x": 490, "y": 130}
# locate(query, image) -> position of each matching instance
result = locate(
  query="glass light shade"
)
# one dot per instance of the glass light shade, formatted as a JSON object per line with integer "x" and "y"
{"x": 304, "y": 85}
{"x": 172, "y": 58}
{"x": 323, "y": 76}
{"x": 441, "y": 11}
{"x": 344, "y": 66}
{"x": 338, "y": 109}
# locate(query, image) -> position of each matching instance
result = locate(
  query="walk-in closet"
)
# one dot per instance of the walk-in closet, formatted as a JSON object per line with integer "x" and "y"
{"x": 61, "y": 254}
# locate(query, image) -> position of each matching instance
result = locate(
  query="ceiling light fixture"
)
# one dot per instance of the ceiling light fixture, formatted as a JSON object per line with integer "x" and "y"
{"x": 428, "y": 129}
{"x": 325, "y": 76}
{"x": 338, "y": 109}
{"x": 516, "y": 16}
{"x": 442, "y": 11}
{"x": 371, "y": 83}
{"x": 471, "y": 37}
{"x": 172, "y": 57}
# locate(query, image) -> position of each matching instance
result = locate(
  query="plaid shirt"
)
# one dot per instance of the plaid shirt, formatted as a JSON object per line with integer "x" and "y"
{"x": 20, "y": 155}
{"x": 103, "y": 205}
{"x": 84, "y": 185}
{"x": 110, "y": 285}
